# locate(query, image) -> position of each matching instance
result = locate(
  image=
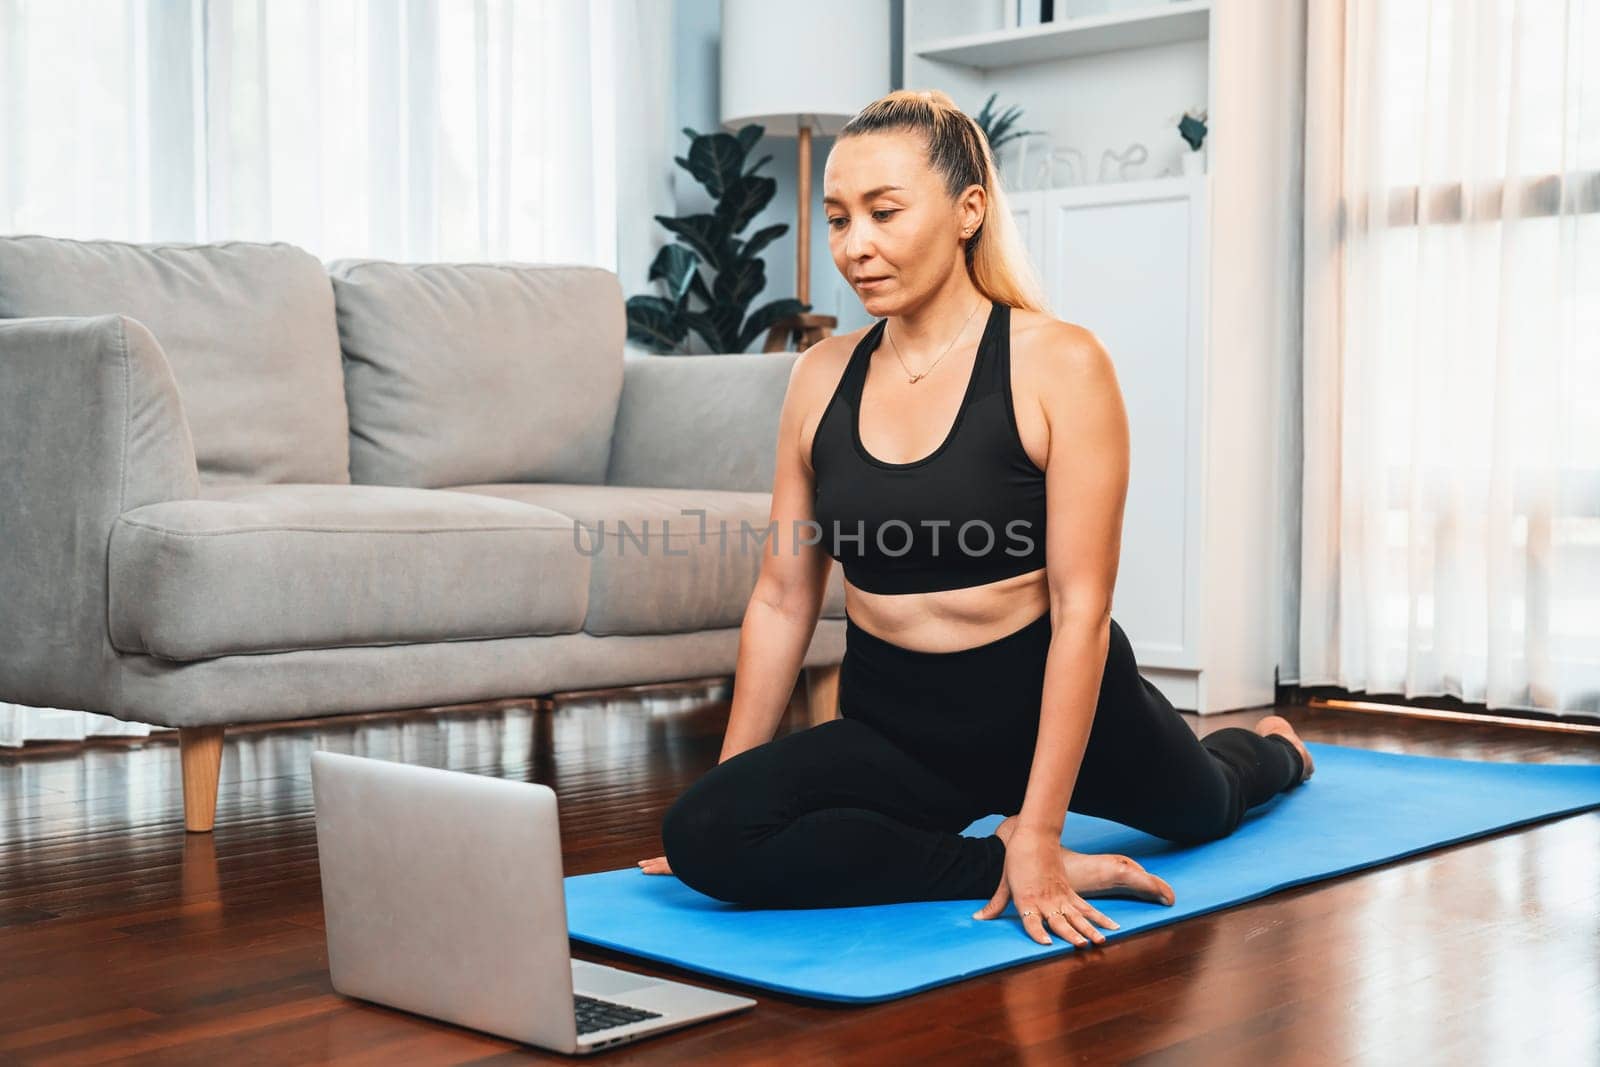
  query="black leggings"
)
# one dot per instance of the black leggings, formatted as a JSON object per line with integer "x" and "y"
{"x": 868, "y": 808}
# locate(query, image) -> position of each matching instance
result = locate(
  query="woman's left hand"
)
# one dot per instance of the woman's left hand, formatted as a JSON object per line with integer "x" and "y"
{"x": 1036, "y": 877}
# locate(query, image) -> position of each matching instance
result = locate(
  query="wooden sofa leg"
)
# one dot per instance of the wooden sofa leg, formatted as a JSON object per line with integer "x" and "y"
{"x": 822, "y": 693}
{"x": 200, "y": 750}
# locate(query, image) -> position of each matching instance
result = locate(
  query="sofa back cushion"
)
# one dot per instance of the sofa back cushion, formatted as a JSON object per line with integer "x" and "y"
{"x": 248, "y": 329}
{"x": 465, "y": 373}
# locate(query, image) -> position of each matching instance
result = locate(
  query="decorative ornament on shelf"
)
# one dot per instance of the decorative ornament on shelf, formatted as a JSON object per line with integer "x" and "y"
{"x": 663, "y": 323}
{"x": 1122, "y": 166}
{"x": 1060, "y": 167}
{"x": 1192, "y": 128}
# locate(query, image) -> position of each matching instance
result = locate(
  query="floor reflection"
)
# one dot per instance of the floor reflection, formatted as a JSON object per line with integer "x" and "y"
{"x": 112, "y": 811}
{"x": 1488, "y": 951}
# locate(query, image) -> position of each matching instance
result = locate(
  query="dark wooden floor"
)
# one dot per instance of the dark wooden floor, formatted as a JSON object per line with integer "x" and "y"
{"x": 123, "y": 939}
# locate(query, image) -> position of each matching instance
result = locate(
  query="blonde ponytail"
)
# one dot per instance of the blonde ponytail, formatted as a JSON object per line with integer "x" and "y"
{"x": 959, "y": 151}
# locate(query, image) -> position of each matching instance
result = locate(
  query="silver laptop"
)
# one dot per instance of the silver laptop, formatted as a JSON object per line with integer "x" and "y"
{"x": 443, "y": 895}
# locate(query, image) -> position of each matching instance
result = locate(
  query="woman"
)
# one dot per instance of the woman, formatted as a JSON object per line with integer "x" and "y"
{"x": 966, "y": 460}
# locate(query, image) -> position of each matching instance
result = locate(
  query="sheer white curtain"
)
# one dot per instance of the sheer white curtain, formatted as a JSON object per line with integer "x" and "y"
{"x": 532, "y": 130}
{"x": 412, "y": 129}
{"x": 1451, "y": 512}
{"x": 409, "y": 129}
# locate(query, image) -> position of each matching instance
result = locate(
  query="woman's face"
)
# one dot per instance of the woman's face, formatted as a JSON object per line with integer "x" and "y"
{"x": 893, "y": 231}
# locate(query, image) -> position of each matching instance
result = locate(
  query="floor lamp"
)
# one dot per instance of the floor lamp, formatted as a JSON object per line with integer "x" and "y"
{"x": 802, "y": 70}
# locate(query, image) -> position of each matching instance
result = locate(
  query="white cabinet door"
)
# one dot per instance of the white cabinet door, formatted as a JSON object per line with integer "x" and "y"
{"x": 1027, "y": 208}
{"x": 1124, "y": 261}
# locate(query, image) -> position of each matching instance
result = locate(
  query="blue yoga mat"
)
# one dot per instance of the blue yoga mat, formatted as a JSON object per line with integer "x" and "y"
{"x": 1359, "y": 809}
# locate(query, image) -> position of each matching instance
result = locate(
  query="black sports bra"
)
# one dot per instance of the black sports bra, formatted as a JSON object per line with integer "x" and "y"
{"x": 971, "y": 511}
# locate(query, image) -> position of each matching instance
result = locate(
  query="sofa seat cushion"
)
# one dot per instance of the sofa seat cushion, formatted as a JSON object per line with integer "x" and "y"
{"x": 252, "y": 569}
{"x": 655, "y": 564}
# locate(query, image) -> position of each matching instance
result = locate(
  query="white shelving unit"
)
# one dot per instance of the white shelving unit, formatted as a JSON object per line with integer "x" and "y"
{"x": 1196, "y": 331}
{"x": 1186, "y": 20}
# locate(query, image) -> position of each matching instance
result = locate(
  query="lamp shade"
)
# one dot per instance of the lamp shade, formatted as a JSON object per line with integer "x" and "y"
{"x": 784, "y": 63}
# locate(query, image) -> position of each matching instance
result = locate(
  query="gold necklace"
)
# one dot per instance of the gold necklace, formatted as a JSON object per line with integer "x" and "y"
{"x": 914, "y": 378}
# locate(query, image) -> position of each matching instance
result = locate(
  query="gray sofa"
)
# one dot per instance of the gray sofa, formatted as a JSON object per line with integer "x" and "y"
{"x": 241, "y": 486}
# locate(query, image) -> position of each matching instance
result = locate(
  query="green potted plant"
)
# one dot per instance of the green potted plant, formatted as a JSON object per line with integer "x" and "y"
{"x": 996, "y": 126}
{"x": 1192, "y": 128}
{"x": 997, "y": 130}
{"x": 723, "y": 320}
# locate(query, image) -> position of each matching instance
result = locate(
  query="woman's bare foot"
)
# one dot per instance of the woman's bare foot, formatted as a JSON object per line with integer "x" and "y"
{"x": 1103, "y": 873}
{"x": 1277, "y": 724}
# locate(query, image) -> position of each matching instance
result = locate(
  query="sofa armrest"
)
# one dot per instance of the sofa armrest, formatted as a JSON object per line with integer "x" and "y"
{"x": 701, "y": 421}
{"x": 90, "y": 426}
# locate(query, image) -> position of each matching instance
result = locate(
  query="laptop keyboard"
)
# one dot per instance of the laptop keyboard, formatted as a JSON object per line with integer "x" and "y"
{"x": 596, "y": 1014}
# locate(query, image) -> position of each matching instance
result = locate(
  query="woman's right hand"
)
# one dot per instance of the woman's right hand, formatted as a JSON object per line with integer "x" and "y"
{"x": 655, "y": 866}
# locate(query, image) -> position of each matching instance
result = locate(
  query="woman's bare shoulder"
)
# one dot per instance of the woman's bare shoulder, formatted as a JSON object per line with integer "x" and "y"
{"x": 814, "y": 379}
{"x": 1063, "y": 377}
{"x": 818, "y": 369}
{"x": 1045, "y": 349}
